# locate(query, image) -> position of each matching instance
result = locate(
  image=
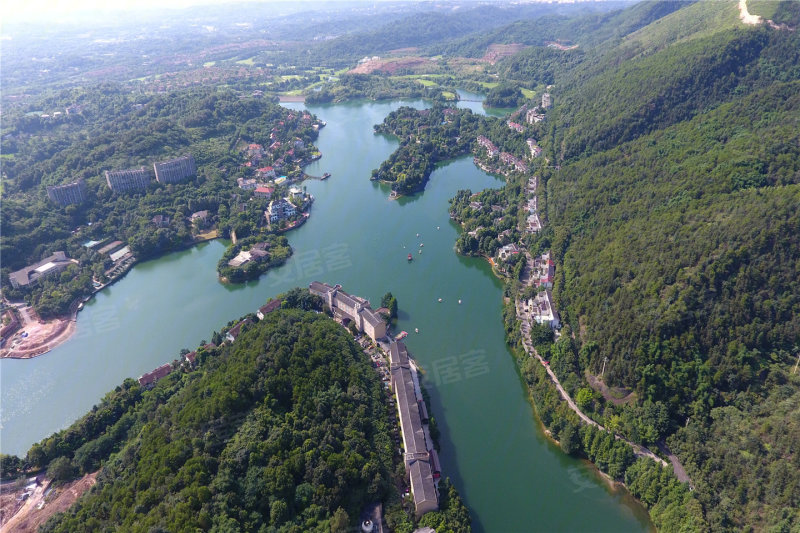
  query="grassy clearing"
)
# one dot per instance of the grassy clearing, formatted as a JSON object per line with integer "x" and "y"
{"x": 249, "y": 61}
{"x": 527, "y": 93}
{"x": 209, "y": 64}
{"x": 427, "y": 83}
{"x": 448, "y": 95}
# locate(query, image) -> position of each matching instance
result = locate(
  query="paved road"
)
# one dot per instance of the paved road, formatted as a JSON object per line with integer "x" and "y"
{"x": 638, "y": 450}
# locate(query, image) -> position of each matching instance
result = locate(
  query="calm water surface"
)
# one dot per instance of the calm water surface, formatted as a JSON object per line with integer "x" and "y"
{"x": 511, "y": 477}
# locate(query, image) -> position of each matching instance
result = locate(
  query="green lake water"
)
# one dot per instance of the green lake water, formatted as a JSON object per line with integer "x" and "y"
{"x": 510, "y": 476}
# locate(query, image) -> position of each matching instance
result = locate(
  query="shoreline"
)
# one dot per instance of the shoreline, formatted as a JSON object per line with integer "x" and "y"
{"x": 56, "y": 332}
{"x": 50, "y": 334}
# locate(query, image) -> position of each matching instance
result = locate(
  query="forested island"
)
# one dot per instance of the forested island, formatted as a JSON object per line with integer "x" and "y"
{"x": 251, "y": 257}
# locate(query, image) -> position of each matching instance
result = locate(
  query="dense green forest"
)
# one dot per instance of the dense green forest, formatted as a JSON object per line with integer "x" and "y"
{"x": 674, "y": 218}
{"x": 288, "y": 428}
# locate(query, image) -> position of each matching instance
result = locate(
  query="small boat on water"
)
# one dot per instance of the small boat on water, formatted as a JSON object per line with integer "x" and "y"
{"x": 420, "y": 251}
{"x": 437, "y": 227}
{"x": 440, "y": 299}
{"x": 416, "y": 330}
{"x": 401, "y": 335}
{"x": 410, "y": 257}
{"x": 459, "y": 302}
{"x": 417, "y": 234}
{"x": 326, "y": 176}
{"x": 421, "y": 244}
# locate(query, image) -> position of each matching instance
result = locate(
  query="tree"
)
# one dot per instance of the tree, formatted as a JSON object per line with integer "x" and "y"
{"x": 570, "y": 439}
{"x": 390, "y": 302}
{"x": 340, "y": 522}
{"x": 61, "y": 469}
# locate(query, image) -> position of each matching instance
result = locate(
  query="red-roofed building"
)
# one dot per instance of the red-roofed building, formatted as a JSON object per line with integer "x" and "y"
{"x": 149, "y": 379}
{"x": 267, "y": 309}
{"x": 264, "y": 192}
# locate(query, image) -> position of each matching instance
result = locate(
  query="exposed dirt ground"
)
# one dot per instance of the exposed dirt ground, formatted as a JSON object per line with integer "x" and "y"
{"x": 42, "y": 336}
{"x": 38, "y": 508}
{"x": 392, "y": 65}
{"x": 496, "y": 52}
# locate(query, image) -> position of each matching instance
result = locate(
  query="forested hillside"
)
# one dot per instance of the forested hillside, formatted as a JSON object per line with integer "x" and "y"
{"x": 287, "y": 428}
{"x": 675, "y": 226}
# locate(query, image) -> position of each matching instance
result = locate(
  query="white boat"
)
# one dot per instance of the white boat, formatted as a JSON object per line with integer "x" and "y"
{"x": 440, "y": 299}
{"x": 417, "y": 234}
{"x": 421, "y": 244}
{"x": 459, "y": 302}
{"x": 416, "y": 330}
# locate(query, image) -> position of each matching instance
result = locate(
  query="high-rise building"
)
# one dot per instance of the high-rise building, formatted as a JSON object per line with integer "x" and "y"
{"x": 128, "y": 180}
{"x": 175, "y": 170}
{"x": 70, "y": 193}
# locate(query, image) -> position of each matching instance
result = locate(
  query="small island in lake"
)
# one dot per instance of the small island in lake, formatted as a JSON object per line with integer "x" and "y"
{"x": 248, "y": 258}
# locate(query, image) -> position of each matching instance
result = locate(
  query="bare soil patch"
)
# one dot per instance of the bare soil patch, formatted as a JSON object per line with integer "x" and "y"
{"x": 496, "y": 52}
{"x": 37, "y": 336}
{"x": 38, "y": 509}
{"x": 393, "y": 65}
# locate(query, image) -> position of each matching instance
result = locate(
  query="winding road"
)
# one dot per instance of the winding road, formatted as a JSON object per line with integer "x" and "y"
{"x": 638, "y": 450}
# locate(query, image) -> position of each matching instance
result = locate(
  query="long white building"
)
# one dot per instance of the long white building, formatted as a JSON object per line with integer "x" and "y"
{"x": 421, "y": 461}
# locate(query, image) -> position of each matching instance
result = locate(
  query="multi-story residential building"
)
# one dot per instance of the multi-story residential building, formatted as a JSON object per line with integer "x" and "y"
{"x": 71, "y": 193}
{"x": 175, "y": 170}
{"x": 280, "y": 210}
{"x": 133, "y": 179}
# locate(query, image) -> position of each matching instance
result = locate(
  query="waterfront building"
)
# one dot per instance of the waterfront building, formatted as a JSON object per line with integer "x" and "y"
{"x": 419, "y": 456}
{"x": 149, "y": 379}
{"x": 71, "y": 193}
{"x": 280, "y": 210}
{"x": 128, "y": 180}
{"x": 48, "y": 266}
{"x": 175, "y": 170}
{"x": 347, "y": 307}
{"x": 236, "y": 330}
{"x": 271, "y": 306}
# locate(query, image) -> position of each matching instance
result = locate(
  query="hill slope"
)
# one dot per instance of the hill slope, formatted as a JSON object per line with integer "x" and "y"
{"x": 675, "y": 224}
{"x": 286, "y": 428}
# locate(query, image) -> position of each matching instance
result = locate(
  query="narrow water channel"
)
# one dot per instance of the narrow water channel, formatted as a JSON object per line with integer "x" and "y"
{"x": 511, "y": 477}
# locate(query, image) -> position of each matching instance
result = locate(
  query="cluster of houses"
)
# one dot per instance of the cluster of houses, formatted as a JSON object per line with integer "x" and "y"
{"x": 347, "y": 308}
{"x": 509, "y": 159}
{"x": 532, "y": 223}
